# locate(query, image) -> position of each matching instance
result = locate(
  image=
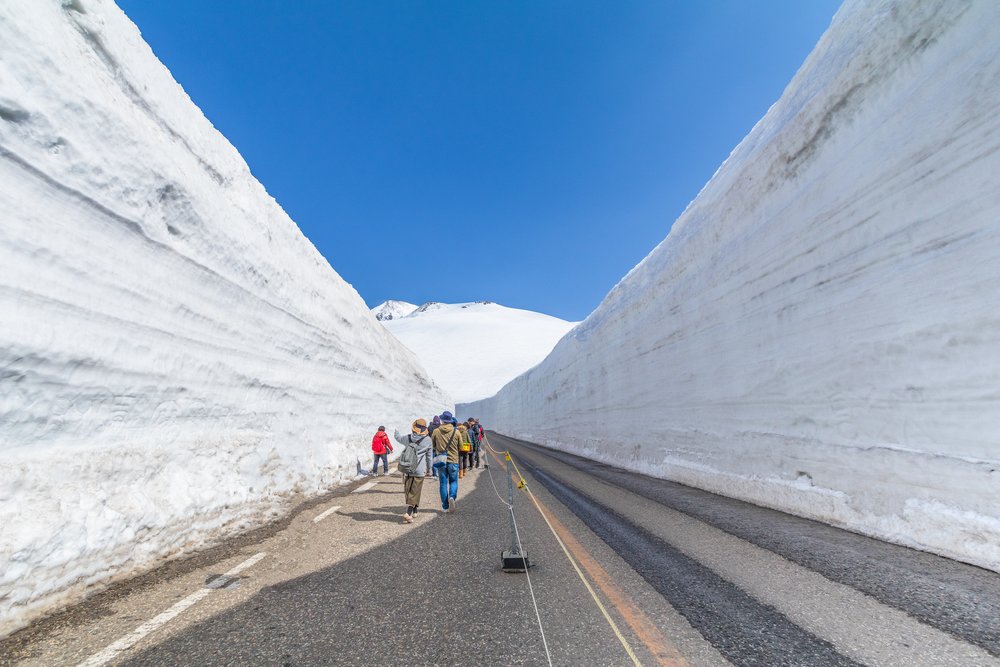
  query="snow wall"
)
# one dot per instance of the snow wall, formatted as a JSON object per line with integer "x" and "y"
{"x": 820, "y": 331}
{"x": 176, "y": 358}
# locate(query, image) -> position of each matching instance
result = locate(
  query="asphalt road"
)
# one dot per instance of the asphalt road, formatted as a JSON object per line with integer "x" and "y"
{"x": 625, "y": 569}
{"x": 767, "y": 588}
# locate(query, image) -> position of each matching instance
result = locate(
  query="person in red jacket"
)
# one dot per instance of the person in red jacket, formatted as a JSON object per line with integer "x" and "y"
{"x": 381, "y": 448}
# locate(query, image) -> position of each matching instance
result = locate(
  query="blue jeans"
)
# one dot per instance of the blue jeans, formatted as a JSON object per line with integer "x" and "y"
{"x": 447, "y": 475}
{"x": 385, "y": 463}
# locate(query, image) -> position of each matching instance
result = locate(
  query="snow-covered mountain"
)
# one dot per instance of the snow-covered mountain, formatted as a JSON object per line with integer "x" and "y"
{"x": 392, "y": 310}
{"x": 473, "y": 349}
{"x": 175, "y": 356}
{"x": 820, "y": 331}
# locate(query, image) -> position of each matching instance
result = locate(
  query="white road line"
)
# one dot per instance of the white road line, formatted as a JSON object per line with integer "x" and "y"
{"x": 326, "y": 514}
{"x": 249, "y": 562}
{"x": 130, "y": 640}
{"x": 364, "y": 487}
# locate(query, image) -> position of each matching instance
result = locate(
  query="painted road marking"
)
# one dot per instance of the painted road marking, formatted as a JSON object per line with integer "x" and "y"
{"x": 130, "y": 640}
{"x": 644, "y": 628}
{"x": 326, "y": 514}
{"x": 249, "y": 562}
{"x": 364, "y": 487}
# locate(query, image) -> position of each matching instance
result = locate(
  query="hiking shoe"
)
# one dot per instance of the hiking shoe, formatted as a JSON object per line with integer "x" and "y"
{"x": 451, "y": 504}
{"x": 407, "y": 518}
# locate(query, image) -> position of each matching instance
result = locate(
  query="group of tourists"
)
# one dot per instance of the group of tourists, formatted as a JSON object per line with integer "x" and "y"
{"x": 442, "y": 448}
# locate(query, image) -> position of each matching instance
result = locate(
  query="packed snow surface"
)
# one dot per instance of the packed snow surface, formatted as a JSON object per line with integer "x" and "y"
{"x": 473, "y": 349}
{"x": 391, "y": 310}
{"x": 175, "y": 357}
{"x": 820, "y": 331}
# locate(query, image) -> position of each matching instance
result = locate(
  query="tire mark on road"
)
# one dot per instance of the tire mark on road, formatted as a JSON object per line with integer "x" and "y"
{"x": 960, "y": 599}
{"x": 744, "y": 630}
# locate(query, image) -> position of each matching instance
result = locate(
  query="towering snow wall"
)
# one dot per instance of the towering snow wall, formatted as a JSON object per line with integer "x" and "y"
{"x": 175, "y": 356}
{"x": 820, "y": 331}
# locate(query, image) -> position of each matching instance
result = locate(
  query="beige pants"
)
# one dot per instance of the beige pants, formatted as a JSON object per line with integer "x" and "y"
{"x": 412, "y": 487}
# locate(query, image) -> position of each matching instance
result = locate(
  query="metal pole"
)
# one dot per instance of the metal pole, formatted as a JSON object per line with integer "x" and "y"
{"x": 513, "y": 560}
{"x": 514, "y": 548}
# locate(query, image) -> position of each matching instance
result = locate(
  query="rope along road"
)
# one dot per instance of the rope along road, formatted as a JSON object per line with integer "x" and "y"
{"x": 766, "y": 588}
{"x": 626, "y": 570}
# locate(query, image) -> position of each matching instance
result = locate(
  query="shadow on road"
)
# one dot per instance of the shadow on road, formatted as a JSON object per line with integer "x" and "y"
{"x": 391, "y": 514}
{"x": 432, "y": 596}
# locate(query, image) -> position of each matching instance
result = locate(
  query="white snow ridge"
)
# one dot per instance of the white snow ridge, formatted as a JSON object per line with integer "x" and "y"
{"x": 820, "y": 331}
{"x": 392, "y": 310}
{"x": 473, "y": 349}
{"x": 175, "y": 356}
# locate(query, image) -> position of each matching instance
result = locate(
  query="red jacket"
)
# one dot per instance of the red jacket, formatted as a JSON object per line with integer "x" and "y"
{"x": 380, "y": 443}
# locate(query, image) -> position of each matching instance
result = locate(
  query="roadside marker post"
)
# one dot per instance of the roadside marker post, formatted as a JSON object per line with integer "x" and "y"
{"x": 513, "y": 559}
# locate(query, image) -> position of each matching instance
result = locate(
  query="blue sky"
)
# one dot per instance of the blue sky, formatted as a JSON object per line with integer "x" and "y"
{"x": 528, "y": 153}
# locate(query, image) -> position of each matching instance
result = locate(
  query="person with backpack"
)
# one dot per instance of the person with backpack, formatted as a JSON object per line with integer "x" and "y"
{"x": 446, "y": 441}
{"x": 413, "y": 465}
{"x": 464, "y": 449}
{"x": 381, "y": 448}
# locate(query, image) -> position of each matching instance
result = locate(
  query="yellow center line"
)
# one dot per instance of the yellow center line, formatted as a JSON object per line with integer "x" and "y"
{"x": 649, "y": 634}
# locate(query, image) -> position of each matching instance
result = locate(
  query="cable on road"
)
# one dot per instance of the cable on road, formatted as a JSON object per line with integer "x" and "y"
{"x": 495, "y": 490}
{"x": 520, "y": 547}
{"x": 523, "y": 484}
{"x": 531, "y": 589}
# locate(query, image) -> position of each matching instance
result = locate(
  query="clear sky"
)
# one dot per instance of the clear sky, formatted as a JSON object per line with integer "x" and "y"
{"x": 523, "y": 152}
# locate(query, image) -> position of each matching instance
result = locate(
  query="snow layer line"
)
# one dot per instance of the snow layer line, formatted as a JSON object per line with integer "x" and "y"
{"x": 176, "y": 358}
{"x": 820, "y": 331}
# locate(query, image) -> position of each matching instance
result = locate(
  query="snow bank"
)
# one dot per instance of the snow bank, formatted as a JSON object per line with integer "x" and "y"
{"x": 820, "y": 332}
{"x": 473, "y": 349}
{"x": 175, "y": 356}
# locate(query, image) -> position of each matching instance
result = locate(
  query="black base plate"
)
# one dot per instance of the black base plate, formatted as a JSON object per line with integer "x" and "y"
{"x": 512, "y": 562}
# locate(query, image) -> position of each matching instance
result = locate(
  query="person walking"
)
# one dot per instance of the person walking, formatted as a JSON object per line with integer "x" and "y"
{"x": 446, "y": 441}
{"x": 464, "y": 449}
{"x": 413, "y": 480}
{"x": 381, "y": 448}
{"x": 435, "y": 422}
{"x": 482, "y": 441}
{"x": 476, "y": 442}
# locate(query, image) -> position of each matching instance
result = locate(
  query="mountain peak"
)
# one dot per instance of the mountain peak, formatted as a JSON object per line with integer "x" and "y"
{"x": 472, "y": 349}
{"x": 392, "y": 310}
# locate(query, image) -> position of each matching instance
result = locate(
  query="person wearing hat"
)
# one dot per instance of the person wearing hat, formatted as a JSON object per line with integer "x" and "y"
{"x": 413, "y": 481}
{"x": 446, "y": 442}
{"x": 381, "y": 448}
